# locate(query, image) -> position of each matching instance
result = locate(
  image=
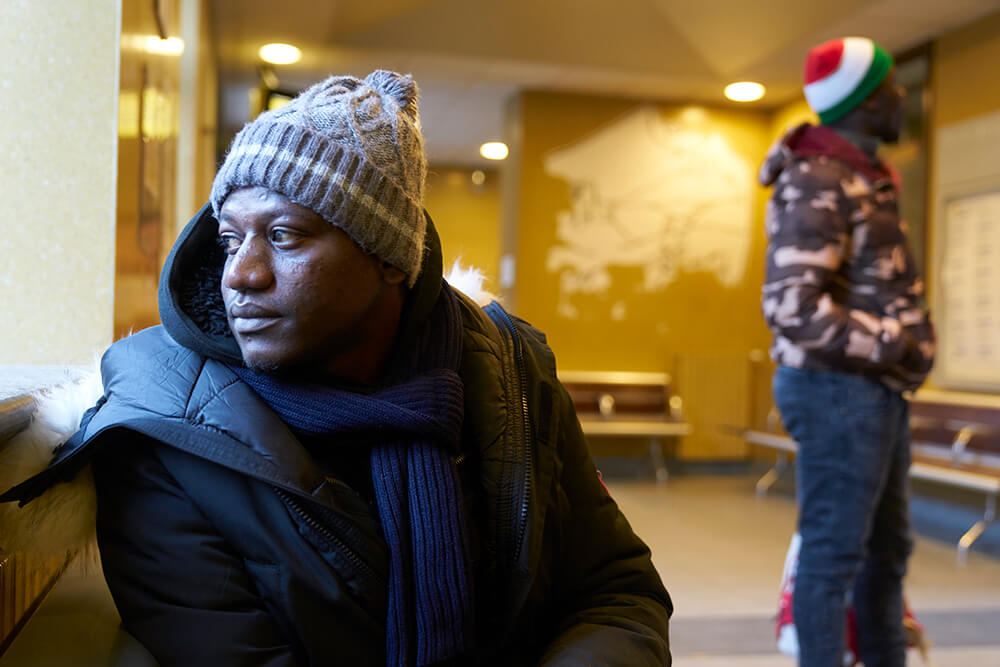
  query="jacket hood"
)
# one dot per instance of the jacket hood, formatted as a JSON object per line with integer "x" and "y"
{"x": 809, "y": 140}
{"x": 190, "y": 296}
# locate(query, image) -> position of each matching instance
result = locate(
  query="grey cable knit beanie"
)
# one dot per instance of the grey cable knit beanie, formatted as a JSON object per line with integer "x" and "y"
{"x": 351, "y": 151}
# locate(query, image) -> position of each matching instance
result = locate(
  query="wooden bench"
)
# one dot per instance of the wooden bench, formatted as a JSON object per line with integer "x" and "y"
{"x": 629, "y": 405}
{"x": 955, "y": 441}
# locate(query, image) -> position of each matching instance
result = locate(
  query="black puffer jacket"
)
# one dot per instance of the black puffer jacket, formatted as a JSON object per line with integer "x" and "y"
{"x": 224, "y": 543}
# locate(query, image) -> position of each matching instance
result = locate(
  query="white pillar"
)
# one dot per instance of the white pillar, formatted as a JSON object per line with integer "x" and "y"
{"x": 58, "y": 169}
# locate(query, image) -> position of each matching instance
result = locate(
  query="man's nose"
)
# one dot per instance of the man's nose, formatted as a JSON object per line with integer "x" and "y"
{"x": 249, "y": 268}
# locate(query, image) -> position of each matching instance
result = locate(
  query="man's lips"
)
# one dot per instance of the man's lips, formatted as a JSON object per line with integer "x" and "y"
{"x": 249, "y": 318}
{"x": 250, "y": 310}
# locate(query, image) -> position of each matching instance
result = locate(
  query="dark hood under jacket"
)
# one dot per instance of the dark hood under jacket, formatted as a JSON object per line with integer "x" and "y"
{"x": 841, "y": 291}
{"x": 225, "y": 543}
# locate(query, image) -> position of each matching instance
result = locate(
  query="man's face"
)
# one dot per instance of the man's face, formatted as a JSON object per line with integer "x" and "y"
{"x": 887, "y": 121}
{"x": 299, "y": 293}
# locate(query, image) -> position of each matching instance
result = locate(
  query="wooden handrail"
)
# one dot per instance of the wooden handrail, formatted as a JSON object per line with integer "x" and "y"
{"x": 15, "y": 416}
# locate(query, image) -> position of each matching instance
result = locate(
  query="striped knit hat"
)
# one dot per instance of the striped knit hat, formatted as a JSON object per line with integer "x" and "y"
{"x": 351, "y": 151}
{"x": 841, "y": 73}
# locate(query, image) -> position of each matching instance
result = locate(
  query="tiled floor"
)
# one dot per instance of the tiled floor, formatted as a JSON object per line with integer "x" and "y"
{"x": 952, "y": 657}
{"x": 720, "y": 551}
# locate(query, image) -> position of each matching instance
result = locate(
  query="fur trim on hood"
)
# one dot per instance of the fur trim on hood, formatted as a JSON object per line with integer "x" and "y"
{"x": 61, "y": 521}
{"x": 469, "y": 281}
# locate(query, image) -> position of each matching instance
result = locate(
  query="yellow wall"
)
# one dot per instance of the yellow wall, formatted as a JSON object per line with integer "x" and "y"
{"x": 962, "y": 74}
{"x": 700, "y": 325}
{"x": 467, "y": 217}
{"x": 693, "y": 315}
{"x": 963, "y": 87}
{"x": 59, "y": 68}
{"x": 791, "y": 115}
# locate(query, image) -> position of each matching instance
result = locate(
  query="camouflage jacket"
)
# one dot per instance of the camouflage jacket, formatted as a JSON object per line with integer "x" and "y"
{"x": 841, "y": 292}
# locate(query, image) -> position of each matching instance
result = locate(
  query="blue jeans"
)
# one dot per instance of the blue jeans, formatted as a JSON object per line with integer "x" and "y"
{"x": 854, "y": 454}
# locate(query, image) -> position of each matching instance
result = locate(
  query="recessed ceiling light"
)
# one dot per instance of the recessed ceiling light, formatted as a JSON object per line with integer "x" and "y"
{"x": 744, "y": 91}
{"x": 280, "y": 54}
{"x": 493, "y": 150}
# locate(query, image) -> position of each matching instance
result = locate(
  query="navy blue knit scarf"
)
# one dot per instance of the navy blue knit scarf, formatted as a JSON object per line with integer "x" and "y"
{"x": 414, "y": 428}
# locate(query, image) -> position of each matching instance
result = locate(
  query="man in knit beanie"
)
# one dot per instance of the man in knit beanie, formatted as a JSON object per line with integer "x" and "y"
{"x": 326, "y": 455}
{"x": 349, "y": 150}
{"x": 852, "y": 337}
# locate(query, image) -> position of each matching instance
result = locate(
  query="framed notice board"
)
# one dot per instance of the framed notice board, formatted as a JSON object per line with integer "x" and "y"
{"x": 967, "y": 313}
{"x": 965, "y": 273}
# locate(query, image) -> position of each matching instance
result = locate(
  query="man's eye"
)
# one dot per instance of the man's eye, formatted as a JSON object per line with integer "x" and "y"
{"x": 283, "y": 236}
{"x": 229, "y": 243}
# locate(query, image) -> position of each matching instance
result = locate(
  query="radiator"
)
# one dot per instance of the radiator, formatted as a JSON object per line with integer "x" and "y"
{"x": 717, "y": 401}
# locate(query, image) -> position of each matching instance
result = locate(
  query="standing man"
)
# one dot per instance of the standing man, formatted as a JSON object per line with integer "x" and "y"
{"x": 852, "y": 337}
{"x": 328, "y": 456}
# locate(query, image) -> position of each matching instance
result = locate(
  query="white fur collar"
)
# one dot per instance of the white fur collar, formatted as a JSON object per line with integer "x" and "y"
{"x": 469, "y": 281}
{"x": 61, "y": 520}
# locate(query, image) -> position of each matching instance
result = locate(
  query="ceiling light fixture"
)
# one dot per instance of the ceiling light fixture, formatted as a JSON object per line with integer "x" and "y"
{"x": 494, "y": 150}
{"x": 280, "y": 54}
{"x": 744, "y": 91}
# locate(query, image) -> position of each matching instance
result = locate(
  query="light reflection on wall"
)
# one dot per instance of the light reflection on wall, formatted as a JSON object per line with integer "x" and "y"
{"x": 148, "y": 122}
{"x": 171, "y": 46}
{"x": 159, "y": 114}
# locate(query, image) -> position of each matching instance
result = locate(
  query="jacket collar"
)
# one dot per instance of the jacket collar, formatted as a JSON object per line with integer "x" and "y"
{"x": 814, "y": 141}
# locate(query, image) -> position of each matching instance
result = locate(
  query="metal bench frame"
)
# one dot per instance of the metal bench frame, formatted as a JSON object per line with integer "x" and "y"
{"x": 944, "y": 473}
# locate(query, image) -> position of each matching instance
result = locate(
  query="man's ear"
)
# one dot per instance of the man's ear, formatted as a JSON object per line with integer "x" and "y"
{"x": 871, "y": 103}
{"x": 875, "y": 99}
{"x": 391, "y": 275}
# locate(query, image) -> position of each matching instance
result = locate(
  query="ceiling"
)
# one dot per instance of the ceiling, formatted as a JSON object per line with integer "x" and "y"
{"x": 470, "y": 56}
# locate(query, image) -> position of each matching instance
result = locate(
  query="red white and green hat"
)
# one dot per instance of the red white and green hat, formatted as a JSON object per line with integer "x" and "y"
{"x": 841, "y": 73}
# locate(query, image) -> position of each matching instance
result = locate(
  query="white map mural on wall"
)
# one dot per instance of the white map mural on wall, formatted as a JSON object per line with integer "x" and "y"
{"x": 648, "y": 192}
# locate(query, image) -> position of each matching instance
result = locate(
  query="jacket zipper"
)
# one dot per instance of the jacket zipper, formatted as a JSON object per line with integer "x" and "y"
{"x": 350, "y": 554}
{"x": 525, "y": 420}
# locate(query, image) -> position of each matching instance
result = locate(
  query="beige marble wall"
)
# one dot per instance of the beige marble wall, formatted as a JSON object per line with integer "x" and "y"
{"x": 58, "y": 152}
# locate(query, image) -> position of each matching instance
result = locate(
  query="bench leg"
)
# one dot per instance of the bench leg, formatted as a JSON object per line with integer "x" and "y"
{"x": 973, "y": 533}
{"x": 771, "y": 476}
{"x": 659, "y": 464}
